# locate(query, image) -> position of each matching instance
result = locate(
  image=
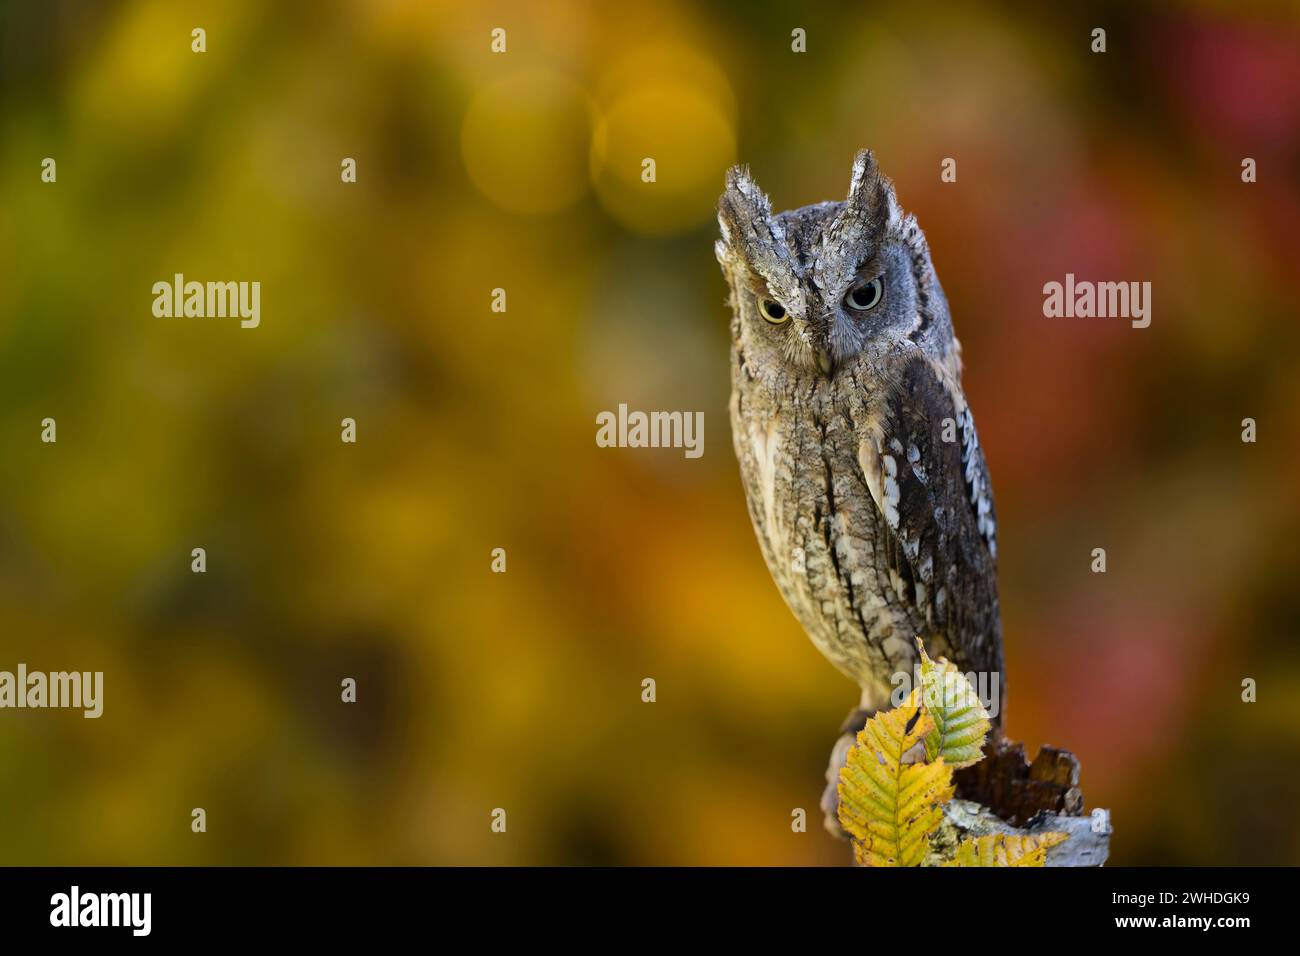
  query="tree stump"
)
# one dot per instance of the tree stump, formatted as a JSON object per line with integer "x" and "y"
{"x": 1006, "y": 793}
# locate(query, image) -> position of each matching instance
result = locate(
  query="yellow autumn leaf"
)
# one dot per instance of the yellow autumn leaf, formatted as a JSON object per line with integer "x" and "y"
{"x": 960, "y": 721}
{"x": 890, "y": 807}
{"x": 1006, "y": 849}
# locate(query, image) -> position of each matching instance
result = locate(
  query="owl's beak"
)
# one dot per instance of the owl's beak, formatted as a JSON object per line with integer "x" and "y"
{"x": 824, "y": 362}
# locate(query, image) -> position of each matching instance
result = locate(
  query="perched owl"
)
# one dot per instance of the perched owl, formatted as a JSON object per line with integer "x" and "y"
{"x": 865, "y": 481}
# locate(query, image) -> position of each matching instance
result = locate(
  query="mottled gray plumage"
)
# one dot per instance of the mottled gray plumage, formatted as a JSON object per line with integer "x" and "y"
{"x": 865, "y": 481}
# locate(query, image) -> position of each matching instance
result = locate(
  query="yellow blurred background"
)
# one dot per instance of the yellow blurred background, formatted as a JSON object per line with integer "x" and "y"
{"x": 522, "y": 171}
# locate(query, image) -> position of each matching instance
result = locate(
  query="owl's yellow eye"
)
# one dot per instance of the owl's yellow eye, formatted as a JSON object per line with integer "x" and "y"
{"x": 773, "y": 311}
{"x": 866, "y": 295}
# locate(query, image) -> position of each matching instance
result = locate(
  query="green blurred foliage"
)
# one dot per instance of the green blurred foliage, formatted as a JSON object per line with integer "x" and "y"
{"x": 476, "y": 430}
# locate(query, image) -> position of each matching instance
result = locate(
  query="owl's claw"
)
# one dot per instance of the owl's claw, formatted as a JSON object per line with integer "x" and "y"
{"x": 830, "y": 802}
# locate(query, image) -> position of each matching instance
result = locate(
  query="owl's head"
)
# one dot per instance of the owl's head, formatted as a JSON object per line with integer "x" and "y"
{"x": 813, "y": 288}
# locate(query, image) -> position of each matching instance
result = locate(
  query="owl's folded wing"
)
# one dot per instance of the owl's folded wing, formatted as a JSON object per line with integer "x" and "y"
{"x": 924, "y": 468}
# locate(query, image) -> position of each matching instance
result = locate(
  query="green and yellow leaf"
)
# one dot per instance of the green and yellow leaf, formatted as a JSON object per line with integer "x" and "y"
{"x": 1006, "y": 849}
{"x": 889, "y": 804}
{"x": 960, "y": 721}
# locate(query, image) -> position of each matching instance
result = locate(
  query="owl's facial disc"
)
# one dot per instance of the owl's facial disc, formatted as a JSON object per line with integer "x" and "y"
{"x": 824, "y": 288}
{"x": 819, "y": 286}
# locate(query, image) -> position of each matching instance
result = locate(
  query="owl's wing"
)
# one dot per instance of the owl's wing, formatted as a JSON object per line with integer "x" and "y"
{"x": 924, "y": 468}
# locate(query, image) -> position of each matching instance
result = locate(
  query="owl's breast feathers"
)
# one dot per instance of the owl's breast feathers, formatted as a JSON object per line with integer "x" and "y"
{"x": 872, "y": 504}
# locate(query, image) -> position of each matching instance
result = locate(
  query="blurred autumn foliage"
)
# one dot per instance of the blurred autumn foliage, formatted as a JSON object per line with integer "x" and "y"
{"x": 476, "y": 429}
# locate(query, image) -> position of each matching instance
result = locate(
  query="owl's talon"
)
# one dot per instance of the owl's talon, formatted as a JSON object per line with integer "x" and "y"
{"x": 830, "y": 802}
{"x": 857, "y": 719}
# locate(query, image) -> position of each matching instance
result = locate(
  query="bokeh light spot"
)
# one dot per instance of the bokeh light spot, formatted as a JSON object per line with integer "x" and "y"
{"x": 690, "y": 138}
{"x": 524, "y": 142}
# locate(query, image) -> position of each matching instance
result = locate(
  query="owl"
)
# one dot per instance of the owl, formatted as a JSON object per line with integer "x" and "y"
{"x": 864, "y": 478}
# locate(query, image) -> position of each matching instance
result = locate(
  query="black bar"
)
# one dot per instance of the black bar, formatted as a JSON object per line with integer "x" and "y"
{"x": 330, "y": 906}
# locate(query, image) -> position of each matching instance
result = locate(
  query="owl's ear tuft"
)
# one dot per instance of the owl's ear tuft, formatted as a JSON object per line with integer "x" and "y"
{"x": 871, "y": 194}
{"x": 743, "y": 207}
{"x": 865, "y": 174}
